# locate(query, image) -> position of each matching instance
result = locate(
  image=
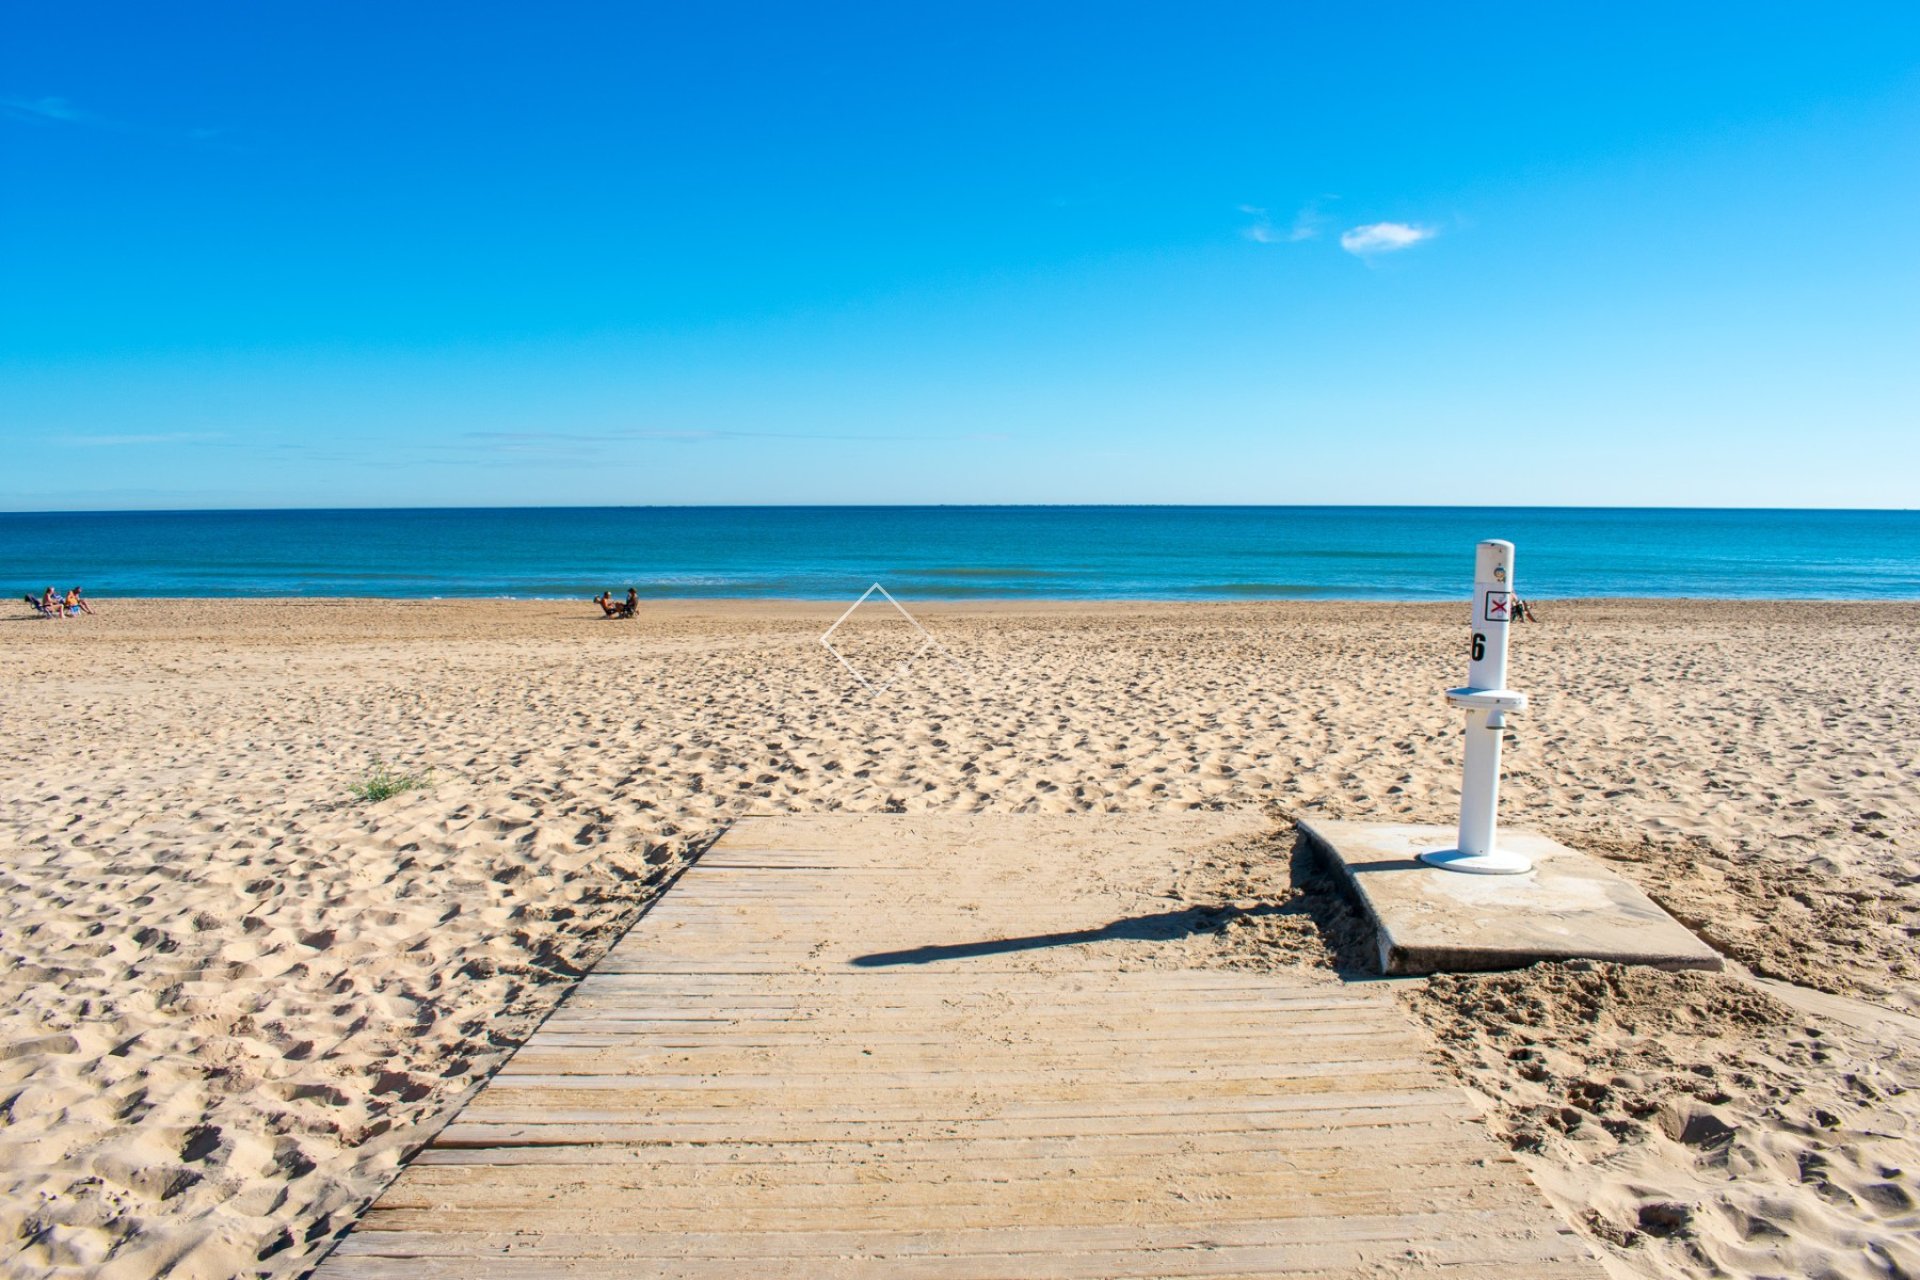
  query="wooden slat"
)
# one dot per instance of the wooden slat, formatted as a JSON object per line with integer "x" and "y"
{"x": 760, "y": 1126}
{"x": 1125, "y": 1266}
{"x": 611, "y": 1197}
{"x": 669, "y": 1164}
{"x": 1458, "y": 1232}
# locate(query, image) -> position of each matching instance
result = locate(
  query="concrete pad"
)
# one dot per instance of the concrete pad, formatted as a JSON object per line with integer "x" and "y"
{"x": 1569, "y": 907}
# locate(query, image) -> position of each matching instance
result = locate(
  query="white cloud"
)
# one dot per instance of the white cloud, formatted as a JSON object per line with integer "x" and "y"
{"x": 1384, "y": 237}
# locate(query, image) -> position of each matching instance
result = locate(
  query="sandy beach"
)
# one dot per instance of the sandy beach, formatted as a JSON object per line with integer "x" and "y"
{"x": 234, "y": 995}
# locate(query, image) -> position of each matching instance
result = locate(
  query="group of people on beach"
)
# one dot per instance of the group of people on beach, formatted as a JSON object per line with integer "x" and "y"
{"x": 55, "y": 605}
{"x": 611, "y": 608}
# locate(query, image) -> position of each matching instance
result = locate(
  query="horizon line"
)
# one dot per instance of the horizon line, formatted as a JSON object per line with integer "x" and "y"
{"x": 936, "y": 506}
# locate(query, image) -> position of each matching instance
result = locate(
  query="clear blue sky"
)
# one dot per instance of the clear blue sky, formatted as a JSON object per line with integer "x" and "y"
{"x": 355, "y": 254}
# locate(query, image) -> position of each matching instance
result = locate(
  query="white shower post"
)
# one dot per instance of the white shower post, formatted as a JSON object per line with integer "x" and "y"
{"x": 1486, "y": 700}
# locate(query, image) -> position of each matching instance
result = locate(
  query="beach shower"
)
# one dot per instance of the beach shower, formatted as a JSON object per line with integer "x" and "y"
{"x": 1486, "y": 700}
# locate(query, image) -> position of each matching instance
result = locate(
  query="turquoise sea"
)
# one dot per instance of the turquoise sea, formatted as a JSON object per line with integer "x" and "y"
{"x": 1170, "y": 553}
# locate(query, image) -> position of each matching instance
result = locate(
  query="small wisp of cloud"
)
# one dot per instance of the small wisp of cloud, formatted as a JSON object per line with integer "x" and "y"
{"x": 506, "y": 440}
{"x": 1384, "y": 237}
{"x": 43, "y": 111}
{"x": 50, "y": 111}
{"x": 123, "y": 441}
{"x": 1306, "y": 225}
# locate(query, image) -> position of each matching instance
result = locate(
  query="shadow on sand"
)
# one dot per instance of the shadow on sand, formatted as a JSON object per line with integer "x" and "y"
{"x": 1313, "y": 891}
{"x": 1161, "y": 926}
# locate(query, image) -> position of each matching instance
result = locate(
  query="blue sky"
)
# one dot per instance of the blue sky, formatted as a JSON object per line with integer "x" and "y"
{"x": 311, "y": 255}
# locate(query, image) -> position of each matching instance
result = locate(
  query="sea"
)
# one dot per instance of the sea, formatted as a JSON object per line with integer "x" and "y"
{"x": 961, "y": 552}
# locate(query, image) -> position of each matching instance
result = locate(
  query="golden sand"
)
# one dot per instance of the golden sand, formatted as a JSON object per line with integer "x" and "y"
{"x": 233, "y": 995}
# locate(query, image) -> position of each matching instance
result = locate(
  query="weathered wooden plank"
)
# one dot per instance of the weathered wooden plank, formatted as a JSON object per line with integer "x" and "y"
{"x": 795, "y": 1043}
{"x": 1307, "y": 1148}
{"x": 654, "y": 1004}
{"x": 759, "y": 1126}
{"x": 861, "y": 1002}
{"x": 1517, "y": 1232}
{"x": 1165, "y": 1104}
{"x": 1324, "y": 1213}
{"x": 1336, "y": 1066}
{"x": 610, "y": 1198}
{"x": 934, "y": 1021}
{"x": 691, "y": 1164}
{"x": 811, "y": 1058}
{"x": 860, "y": 980}
{"x": 1171, "y": 1037}
{"x": 1199, "y": 1261}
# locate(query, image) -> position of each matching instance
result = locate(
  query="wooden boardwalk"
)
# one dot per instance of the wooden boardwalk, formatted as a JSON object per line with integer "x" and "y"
{"x": 917, "y": 1046}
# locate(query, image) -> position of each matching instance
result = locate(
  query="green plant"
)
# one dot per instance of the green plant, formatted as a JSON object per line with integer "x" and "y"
{"x": 382, "y": 782}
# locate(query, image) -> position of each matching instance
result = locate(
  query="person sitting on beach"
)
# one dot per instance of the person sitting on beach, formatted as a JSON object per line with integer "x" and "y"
{"x": 33, "y": 602}
{"x": 608, "y": 609}
{"x": 50, "y": 604}
{"x": 632, "y": 607}
{"x": 76, "y": 605}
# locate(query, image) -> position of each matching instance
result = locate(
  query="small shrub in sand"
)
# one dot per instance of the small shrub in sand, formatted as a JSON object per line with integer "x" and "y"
{"x": 382, "y": 783}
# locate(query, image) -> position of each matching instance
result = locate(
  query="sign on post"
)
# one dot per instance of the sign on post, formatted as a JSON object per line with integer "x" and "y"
{"x": 1486, "y": 700}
